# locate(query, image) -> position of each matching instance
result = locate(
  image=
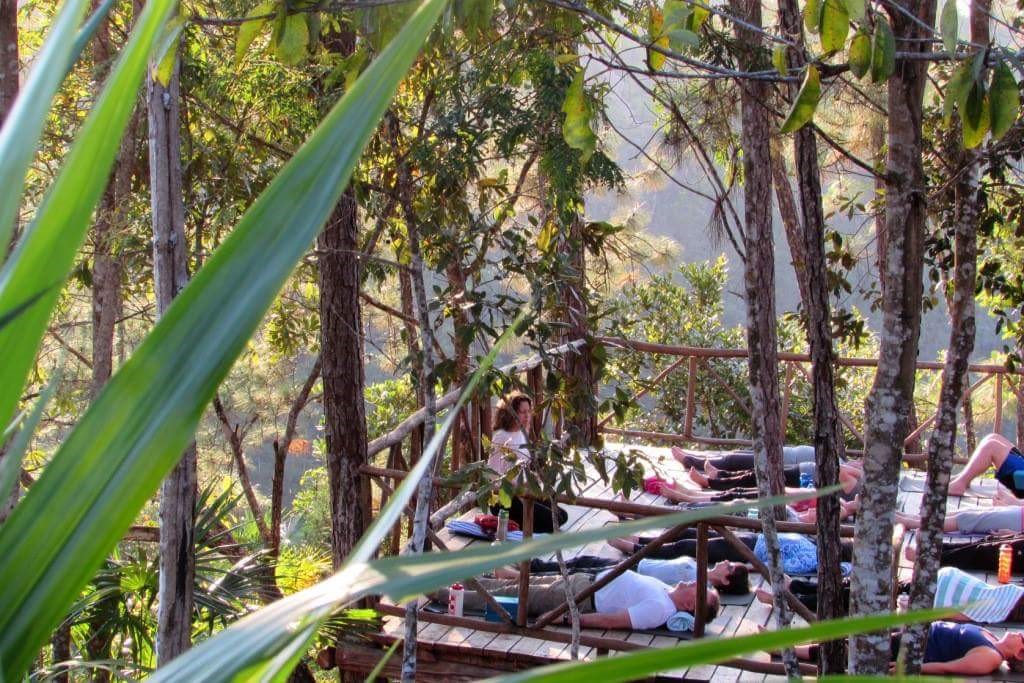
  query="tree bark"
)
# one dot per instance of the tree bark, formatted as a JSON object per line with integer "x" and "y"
{"x": 460, "y": 321}
{"x": 578, "y": 366}
{"x": 341, "y": 342}
{"x": 425, "y": 489}
{"x": 170, "y": 273}
{"x": 814, "y": 285}
{"x": 892, "y": 393}
{"x": 341, "y": 345}
{"x": 10, "y": 68}
{"x": 968, "y": 209}
{"x": 759, "y": 285}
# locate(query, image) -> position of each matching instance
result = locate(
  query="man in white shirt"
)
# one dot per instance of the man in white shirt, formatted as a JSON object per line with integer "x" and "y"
{"x": 630, "y": 600}
{"x": 728, "y": 577}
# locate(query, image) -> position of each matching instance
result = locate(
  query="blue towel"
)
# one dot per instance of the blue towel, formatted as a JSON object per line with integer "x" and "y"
{"x": 680, "y": 621}
{"x": 473, "y": 530}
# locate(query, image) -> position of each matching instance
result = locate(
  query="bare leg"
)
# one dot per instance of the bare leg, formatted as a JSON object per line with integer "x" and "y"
{"x": 688, "y": 458}
{"x": 683, "y": 496}
{"x": 698, "y": 478}
{"x": 991, "y": 452}
{"x": 624, "y": 545}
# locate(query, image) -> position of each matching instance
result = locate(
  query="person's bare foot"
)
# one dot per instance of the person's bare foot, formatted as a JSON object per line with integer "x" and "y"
{"x": 710, "y": 470}
{"x": 698, "y": 477}
{"x": 686, "y": 458}
{"x": 765, "y": 596}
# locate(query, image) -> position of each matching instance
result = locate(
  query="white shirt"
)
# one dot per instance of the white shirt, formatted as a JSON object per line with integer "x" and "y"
{"x": 644, "y": 597}
{"x": 669, "y": 571}
{"x": 504, "y": 444}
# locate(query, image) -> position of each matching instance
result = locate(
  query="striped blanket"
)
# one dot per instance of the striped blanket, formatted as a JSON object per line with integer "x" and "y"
{"x": 976, "y": 599}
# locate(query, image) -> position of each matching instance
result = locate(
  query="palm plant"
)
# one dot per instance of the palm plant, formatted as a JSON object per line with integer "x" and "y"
{"x": 113, "y": 460}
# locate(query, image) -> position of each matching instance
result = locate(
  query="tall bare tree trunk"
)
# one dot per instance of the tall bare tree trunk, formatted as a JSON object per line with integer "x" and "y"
{"x": 759, "y": 289}
{"x": 968, "y": 208}
{"x": 578, "y": 365}
{"x": 819, "y": 336}
{"x": 888, "y": 404}
{"x": 170, "y": 274}
{"x": 343, "y": 377}
{"x": 342, "y": 361}
{"x": 418, "y": 542}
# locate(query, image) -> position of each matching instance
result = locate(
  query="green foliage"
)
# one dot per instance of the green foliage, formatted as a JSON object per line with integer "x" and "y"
{"x": 806, "y": 101}
{"x": 388, "y": 403}
{"x": 311, "y": 510}
{"x": 949, "y": 25}
{"x": 136, "y": 430}
{"x": 883, "y": 51}
{"x": 860, "y": 53}
{"x": 688, "y": 314}
{"x": 835, "y": 25}
{"x": 1004, "y": 100}
{"x": 576, "y": 127}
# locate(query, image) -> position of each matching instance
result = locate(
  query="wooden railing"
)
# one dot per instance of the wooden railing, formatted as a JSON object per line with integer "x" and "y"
{"x": 700, "y": 361}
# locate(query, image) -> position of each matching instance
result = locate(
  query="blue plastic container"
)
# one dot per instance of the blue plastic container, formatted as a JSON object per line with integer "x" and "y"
{"x": 511, "y": 605}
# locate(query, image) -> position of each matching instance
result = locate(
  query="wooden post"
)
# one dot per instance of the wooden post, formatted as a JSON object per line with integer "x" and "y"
{"x": 524, "y": 566}
{"x": 702, "y": 579}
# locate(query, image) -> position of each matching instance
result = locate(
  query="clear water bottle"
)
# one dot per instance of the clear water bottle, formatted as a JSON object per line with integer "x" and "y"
{"x": 502, "y": 534}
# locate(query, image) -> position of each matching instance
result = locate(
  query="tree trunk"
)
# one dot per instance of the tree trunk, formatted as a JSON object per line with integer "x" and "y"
{"x": 788, "y": 212}
{"x": 343, "y": 377}
{"x": 759, "y": 285}
{"x": 170, "y": 273}
{"x": 423, "y": 494}
{"x": 888, "y": 404}
{"x": 578, "y": 366}
{"x": 9, "y": 63}
{"x": 819, "y": 336}
{"x": 460, "y": 437}
{"x": 968, "y": 208}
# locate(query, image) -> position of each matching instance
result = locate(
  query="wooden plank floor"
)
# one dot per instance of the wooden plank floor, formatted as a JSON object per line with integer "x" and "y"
{"x": 732, "y": 620}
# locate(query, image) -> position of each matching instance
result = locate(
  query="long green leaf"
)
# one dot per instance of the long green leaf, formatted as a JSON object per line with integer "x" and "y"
{"x": 24, "y": 124}
{"x": 860, "y": 53}
{"x": 135, "y": 431}
{"x": 835, "y": 25}
{"x": 1004, "y": 100}
{"x": 10, "y": 464}
{"x": 262, "y": 635}
{"x": 46, "y": 252}
{"x": 802, "y": 111}
{"x": 637, "y": 665}
{"x": 949, "y": 26}
{"x": 883, "y": 51}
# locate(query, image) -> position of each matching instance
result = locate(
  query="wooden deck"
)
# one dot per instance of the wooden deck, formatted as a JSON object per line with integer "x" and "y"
{"x": 732, "y": 620}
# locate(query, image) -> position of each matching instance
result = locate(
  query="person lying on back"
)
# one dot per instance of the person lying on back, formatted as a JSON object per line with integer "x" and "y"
{"x": 957, "y": 649}
{"x": 630, "y": 600}
{"x": 728, "y": 577}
